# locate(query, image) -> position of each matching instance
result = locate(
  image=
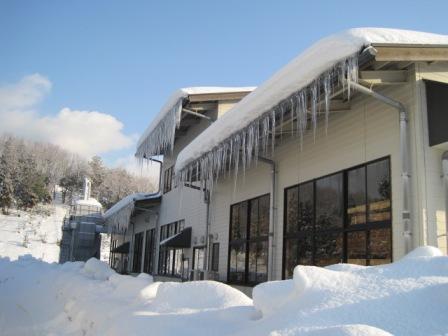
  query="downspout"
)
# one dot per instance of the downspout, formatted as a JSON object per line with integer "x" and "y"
{"x": 207, "y": 233}
{"x": 445, "y": 184}
{"x": 160, "y": 174}
{"x": 157, "y": 234}
{"x": 272, "y": 210}
{"x": 404, "y": 156}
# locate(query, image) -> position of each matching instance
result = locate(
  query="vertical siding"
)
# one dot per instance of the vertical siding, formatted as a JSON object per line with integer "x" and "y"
{"x": 368, "y": 131}
{"x": 432, "y": 203}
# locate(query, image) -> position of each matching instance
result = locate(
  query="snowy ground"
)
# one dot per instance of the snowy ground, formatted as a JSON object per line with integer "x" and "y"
{"x": 408, "y": 297}
{"x": 36, "y": 232}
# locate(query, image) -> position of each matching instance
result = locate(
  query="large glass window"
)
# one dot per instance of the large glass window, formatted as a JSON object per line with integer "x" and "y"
{"x": 215, "y": 257}
{"x": 138, "y": 250}
{"x": 198, "y": 258}
{"x": 342, "y": 217}
{"x": 168, "y": 176}
{"x": 150, "y": 246}
{"x": 248, "y": 245}
{"x": 170, "y": 259}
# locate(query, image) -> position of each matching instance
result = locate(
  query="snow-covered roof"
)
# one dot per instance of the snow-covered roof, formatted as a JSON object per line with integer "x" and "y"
{"x": 90, "y": 202}
{"x": 315, "y": 64}
{"x": 159, "y": 135}
{"x": 118, "y": 215}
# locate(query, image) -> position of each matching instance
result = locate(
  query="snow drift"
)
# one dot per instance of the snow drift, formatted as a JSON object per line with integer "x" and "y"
{"x": 408, "y": 297}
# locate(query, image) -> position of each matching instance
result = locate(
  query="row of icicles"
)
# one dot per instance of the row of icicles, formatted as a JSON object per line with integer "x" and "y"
{"x": 244, "y": 146}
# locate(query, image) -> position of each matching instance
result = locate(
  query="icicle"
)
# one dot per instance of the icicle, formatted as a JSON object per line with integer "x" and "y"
{"x": 313, "y": 93}
{"x": 291, "y": 101}
{"x": 273, "y": 131}
{"x": 327, "y": 93}
{"x": 282, "y": 112}
{"x": 226, "y": 156}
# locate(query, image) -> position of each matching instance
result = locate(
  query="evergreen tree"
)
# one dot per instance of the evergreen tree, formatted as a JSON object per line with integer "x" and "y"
{"x": 6, "y": 183}
{"x": 97, "y": 174}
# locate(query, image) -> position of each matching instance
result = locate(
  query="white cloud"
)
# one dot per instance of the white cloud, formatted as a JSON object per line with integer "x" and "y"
{"x": 83, "y": 132}
{"x": 147, "y": 168}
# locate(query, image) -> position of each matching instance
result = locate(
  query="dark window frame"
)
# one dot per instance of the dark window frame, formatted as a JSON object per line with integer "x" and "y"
{"x": 137, "y": 253}
{"x": 195, "y": 250}
{"x": 246, "y": 241}
{"x": 346, "y": 228}
{"x": 150, "y": 249}
{"x": 167, "y": 231}
{"x": 215, "y": 258}
{"x": 168, "y": 176}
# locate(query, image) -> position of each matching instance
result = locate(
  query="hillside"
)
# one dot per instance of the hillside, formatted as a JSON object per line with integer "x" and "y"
{"x": 35, "y": 232}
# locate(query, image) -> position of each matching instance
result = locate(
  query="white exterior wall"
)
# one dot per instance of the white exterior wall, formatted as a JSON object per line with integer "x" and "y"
{"x": 432, "y": 198}
{"x": 370, "y": 130}
{"x": 187, "y": 203}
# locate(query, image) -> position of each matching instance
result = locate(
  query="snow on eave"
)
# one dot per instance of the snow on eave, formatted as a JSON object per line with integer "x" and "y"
{"x": 117, "y": 217}
{"x": 159, "y": 136}
{"x": 295, "y": 76}
{"x": 90, "y": 202}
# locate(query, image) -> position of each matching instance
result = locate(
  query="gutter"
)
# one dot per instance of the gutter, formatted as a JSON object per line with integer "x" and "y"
{"x": 272, "y": 216}
{"x": 404, "y": 156}
{"x": 445, "y": 185}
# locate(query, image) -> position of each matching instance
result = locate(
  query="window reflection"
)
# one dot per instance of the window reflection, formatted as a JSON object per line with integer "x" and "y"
{"x": 329, "y": 202}
{"x": 349, "y": 221}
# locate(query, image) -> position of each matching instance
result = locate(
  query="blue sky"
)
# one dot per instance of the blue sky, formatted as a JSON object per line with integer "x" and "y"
{"x": 124, "y": 58}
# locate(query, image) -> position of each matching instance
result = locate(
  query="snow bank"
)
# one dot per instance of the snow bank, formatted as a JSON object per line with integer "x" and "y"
{"x": 97, "y": 269}
{"x": 172, "y": 296}
{"x": 408, "y": 297}
{"x": 295, "y": 76}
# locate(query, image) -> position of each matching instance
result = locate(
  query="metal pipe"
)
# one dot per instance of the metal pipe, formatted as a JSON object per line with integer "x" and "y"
{"x": 160, "y": 173}
{"x": 404, "y": 156}
{"x": 197, "y": 114}
{"x": 272, "y": 216}
{"x": 445, "y": 184}
{"x": 207, "y": 234}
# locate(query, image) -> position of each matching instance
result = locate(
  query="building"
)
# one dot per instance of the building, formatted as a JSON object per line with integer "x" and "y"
{"x": 341, "y": 156}
{"x": 164, "y": 233}
{"x": 336, "y": 158}
{"x": 81, "y": 239}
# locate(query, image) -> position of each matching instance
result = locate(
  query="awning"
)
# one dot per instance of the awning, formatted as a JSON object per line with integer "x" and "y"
{"x": 180, "y": 240}
{"x": 123, "y": 248}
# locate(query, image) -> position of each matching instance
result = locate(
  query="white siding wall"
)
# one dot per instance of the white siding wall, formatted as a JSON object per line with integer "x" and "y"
{"x": 432, "y": 198}
{"x": 188, "y": 203}
{"x": 370, "y": 130}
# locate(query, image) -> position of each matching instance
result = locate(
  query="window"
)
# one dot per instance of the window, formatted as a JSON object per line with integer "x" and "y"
{"x": 215, "y": 257}
{"x": 170, "y": 259}
{"x": 150, "y": 247}
{"x": 137, "y": 256}
{"x": 248, "y": 245}
{"x": 198, "y": 258}
{"x": 341, "y": 217}
{"x": 168, "y": 177}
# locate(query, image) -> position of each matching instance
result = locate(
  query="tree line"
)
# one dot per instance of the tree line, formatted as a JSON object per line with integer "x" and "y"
{"x": 30, "y": 172}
